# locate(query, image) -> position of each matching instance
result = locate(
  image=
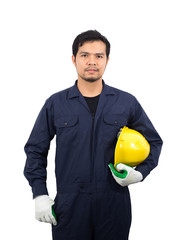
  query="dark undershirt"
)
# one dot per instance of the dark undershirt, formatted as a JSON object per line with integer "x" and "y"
{"x": 92, "y": 104}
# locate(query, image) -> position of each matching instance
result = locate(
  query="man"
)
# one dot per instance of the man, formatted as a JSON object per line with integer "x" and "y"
{"x": 86, "y": 119}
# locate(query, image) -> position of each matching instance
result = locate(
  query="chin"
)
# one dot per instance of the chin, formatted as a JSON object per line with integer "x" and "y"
{"x": 91, "y": 79}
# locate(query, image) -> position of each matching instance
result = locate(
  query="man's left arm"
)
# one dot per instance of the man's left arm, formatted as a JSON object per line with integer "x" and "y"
{"x": 140, "y": 122}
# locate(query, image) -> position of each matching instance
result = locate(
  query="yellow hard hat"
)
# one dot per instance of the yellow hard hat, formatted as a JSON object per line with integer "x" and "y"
{"x": 131, "y": 148}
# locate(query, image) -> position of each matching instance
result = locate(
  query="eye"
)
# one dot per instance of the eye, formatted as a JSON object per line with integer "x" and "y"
{"x": 99, "y": 56}
{"x": 84, "y": 55}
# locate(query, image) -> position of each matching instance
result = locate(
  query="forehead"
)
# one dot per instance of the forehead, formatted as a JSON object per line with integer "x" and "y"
{"x": 93, "y": 47}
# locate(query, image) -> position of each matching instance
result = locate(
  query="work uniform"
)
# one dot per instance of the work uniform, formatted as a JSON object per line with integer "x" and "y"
{"x": 89, "y": 203}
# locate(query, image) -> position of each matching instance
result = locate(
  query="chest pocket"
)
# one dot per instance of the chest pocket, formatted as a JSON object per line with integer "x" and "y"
{"x": 67, "y": 130}
{"x": 112, "y": 123}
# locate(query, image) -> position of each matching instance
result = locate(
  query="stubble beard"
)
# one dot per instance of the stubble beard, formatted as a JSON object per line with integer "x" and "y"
{"x": 90, "y": 79}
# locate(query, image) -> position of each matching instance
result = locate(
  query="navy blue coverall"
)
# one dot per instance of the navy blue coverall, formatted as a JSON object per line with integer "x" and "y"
{"x": 89, "y": 203}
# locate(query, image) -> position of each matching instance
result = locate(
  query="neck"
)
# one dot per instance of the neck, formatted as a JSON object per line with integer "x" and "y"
{"x": 90, "y": 89}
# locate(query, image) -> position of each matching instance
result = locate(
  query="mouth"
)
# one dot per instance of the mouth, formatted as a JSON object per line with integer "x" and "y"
{"x": 91, "y": 70}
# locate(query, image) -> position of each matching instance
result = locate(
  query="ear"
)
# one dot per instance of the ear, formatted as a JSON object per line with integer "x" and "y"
{"x": 107, "y": 61}
{"x": 74, "y": 60}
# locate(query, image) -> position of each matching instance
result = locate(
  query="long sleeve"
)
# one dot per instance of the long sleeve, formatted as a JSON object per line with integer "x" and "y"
{"x": 37, "y": 148}
{"x": 140, "y": 122}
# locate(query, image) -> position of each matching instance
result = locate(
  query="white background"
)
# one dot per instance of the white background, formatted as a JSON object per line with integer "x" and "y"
{"x": 35, "y": 62}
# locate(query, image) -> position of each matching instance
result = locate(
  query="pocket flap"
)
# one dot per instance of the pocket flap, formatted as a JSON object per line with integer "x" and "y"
{"x": 66, "y": 121}
{"x": 113, "y": 119}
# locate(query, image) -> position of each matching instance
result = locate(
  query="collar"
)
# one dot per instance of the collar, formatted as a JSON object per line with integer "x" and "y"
{"x": 74, "y": 92}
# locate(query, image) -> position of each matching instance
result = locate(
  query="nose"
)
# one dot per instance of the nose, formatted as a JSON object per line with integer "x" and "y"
{"x": 91, "y": 61}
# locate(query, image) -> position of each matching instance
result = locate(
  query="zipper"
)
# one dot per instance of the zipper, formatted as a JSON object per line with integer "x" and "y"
{"x": 92, "y": 149}
{"x": 92, "y": 107}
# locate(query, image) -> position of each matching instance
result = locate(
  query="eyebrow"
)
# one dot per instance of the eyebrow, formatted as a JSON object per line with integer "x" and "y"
{"x": 90, "y": 53}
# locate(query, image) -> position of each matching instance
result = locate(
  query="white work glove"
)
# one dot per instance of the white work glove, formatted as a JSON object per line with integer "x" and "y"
{"x": 125, "y": 175}
{"x": 43, "y": 209}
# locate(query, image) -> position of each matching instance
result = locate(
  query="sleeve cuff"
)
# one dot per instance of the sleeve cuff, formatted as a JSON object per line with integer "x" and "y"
{"x": 143, "y": 170}
{"x": 39, "y": 189}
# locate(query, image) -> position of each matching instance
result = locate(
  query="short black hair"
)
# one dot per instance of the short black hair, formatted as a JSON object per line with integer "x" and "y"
{"x": 89, "y": 36}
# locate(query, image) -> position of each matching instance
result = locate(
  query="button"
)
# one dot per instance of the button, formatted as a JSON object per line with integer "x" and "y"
{"x": 65, "y": 123}
{"x": 81, "y": 189}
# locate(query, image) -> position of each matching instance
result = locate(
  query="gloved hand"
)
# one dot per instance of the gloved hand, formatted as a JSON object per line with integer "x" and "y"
{"x": 125, "y": 175}
{"x": 43, "y": 209}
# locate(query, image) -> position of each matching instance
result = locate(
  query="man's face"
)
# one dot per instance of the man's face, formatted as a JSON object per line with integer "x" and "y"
{"x": 91, "y": 61}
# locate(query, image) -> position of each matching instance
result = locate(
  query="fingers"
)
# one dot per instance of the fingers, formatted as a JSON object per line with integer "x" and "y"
{"x": 50, "y": 219}
{"x": 125, "y": 175}
{"x": 121, "y": 167}
{"x": 119, "y": 173}
{"x": 43, "y": 209}
{"x": 53, "y": 220}
{"x": 47, "y": 218}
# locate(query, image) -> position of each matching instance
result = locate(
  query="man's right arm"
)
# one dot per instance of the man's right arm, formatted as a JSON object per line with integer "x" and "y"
{"x": 37, "y": 148}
